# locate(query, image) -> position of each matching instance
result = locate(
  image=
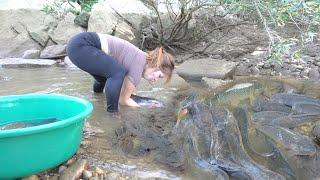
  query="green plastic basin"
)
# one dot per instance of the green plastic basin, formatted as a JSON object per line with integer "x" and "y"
{"x": 30, "y": 150}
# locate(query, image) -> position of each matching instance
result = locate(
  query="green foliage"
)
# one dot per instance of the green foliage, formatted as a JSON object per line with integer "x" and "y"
{"x": 86, "y": 5}
{"x": 279, "y": 14}
{"x": 59, "y": 8}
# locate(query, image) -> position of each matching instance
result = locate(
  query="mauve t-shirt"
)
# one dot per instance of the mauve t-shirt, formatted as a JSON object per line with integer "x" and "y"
{"x": 131, "y": 57}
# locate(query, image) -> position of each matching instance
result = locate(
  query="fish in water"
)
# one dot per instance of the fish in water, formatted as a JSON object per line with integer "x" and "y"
{"x": 292, "y": 99}
{"x": 146, "y": 101}
{"x": 289, "y": 140}
{"x": 239, "y": 92}
{"x": 27, "y": 123}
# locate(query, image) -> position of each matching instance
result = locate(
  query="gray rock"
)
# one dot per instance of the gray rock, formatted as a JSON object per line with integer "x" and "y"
{"x": 65, "y": 29}
{"x": 17, "y": 46}
{"x": 40, "y": 36}
{"x": 33, "y": 177}
{"x": 68, "y": 63}
{"x": 54, "y": 52}
{"x": 86, "y": 174}
{"x": 304, "y": 73}
{"x": 61, "y": 169}
{"x": 75, "y": 170}
{"x": 299, "y": 67}
{"x": 295, "y": 74}
{"x": 50, "y": 23}
{"x": 312, "y": 50}
{"x": 19, "y": 62}
{"x": 285, "y": 73}
{"x": 267, "y": 66}
{"x": 265, "y": 71}
{"x": 104, "y": 20}
{"x": 14, "y": 28}
{"x": 216, "y": 56}
{"x": 31, "y": 54}
{"x": 94, "y": 178}
{"x": 211, "y": 68}
{"x": 18, "y": 27}
{"x": 242, "y": 70}
{"x": 277, "y": 67}
{"x": 292, "y": 67}
{"x": 314, "y": 74}
{"x": 113, "y": 176}
{"x": 215, "y": 83}
{"x": 82, "y": 19}
{"x": 254, "y": 70}
{"x": 308, "y": 59}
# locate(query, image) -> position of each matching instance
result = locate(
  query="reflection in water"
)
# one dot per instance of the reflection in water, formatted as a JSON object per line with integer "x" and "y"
{"x": 220, "y": 142}
{"x": 27, "y": 123}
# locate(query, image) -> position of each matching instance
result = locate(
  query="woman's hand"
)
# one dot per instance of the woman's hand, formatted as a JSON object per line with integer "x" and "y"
{"x": 129, "y": 102}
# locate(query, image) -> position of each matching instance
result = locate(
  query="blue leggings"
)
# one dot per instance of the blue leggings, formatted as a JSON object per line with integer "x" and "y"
{"x": 84, "y": 50}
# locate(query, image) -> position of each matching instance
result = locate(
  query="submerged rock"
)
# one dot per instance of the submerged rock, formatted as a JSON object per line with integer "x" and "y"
{"x": 25, "y": 63}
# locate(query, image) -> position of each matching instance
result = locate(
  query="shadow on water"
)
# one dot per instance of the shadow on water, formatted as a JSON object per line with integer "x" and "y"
{"x": 206, "y": 142}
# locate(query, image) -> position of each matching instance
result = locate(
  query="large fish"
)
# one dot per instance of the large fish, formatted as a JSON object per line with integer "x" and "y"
{"x": 293, "y": 121}
{"x": 238, "y": 153}
{"x": 264, "y": 117}
{"x": 303, "y": 108}
{"x": 238, "y": 92}
{"x": 290, "y": 99}
{"x": 261, "y": 104}
{"x": 147, "y": 102}
{"x": 274, "y": 160}
{"x": 289, "y": 140}
{"x": 214, "y": 138}
{"x": 27, "y": 123}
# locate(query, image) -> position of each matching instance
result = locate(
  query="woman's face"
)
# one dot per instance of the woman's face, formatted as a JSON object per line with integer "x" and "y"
{"x": 153, "y": 74}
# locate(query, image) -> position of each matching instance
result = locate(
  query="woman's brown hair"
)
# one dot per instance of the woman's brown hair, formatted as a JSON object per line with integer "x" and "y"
{"x": 159, "y": 58}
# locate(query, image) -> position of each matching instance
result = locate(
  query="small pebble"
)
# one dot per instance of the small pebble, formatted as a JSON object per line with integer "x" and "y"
{"x": 33, "y": 177}
{"x": 86, "y": 174}
{"x": 94, "y": 178}
{"x": 61, "y": 169}
{"x": 99, "y": 170}
{"x": 55, "y": 177}
{"x": 70, "y": 161}
{"x": 113, "y": 176}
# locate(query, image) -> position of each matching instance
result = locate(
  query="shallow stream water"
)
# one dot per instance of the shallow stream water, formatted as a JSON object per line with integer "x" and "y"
{"x": 100, "y": 150}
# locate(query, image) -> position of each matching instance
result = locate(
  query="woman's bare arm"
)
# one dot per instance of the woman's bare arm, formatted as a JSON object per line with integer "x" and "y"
{"x": 125, "y": 94}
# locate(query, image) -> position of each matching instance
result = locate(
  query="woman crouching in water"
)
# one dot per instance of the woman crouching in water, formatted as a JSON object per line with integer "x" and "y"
{"x": 117, "y": 66}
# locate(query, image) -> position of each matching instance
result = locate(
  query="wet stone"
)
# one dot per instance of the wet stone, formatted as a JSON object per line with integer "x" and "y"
{"x": 87, "y": 174}
{"x": 33, "y": 177}
{"x": 75, "y": 170}
{"x": 61, "y": 169}
{"x": 314, "y": 74}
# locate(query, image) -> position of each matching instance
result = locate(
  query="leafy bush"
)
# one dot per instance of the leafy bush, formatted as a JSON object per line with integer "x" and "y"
{"x": 59, "y": 8}
{"x": 275, "y": 17}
